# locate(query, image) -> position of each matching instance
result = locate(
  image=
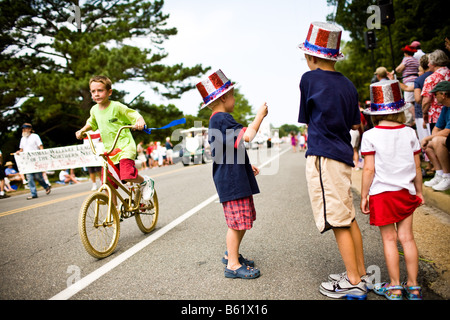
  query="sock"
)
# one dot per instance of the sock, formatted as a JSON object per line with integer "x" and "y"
{"x": 439, "y": 172}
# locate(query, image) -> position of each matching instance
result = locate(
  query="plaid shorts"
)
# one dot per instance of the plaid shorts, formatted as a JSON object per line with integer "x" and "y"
{"x": 240, "y": 213}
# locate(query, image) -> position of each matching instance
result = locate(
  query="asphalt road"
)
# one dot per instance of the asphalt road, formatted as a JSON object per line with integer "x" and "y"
{"x": 42, "y": 257}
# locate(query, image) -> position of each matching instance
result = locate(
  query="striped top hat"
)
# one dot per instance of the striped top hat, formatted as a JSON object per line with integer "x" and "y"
{"x": 386, "y": 98}
{"x": 213, "y": 87}
{"x": 323, "y": 41}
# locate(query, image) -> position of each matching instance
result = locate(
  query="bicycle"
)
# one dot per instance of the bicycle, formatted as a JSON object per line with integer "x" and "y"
{"x": 99, "y": 221}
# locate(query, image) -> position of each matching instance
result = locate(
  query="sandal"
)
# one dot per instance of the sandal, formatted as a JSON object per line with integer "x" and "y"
{"x": 412, "y": 296}
{"x": 48, "y": 190}
{"x": 242, "y": 260}
{"x": 382, "y": 289}
{"x": 244, "y": 272}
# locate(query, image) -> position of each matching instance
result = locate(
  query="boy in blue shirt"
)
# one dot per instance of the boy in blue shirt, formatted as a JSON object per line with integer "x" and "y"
{"x": 234, "y": 176}
{"x": 329, "y": 106}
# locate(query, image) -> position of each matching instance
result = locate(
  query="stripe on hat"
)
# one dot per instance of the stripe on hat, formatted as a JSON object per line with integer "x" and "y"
{"x": 222, "y": 76}
{"x": 396, "y": 91}
{"x": 308, "y": 37}
{"x": 201, "y": 88}
{"x": 377, "y": 94}
{"x": 322, "y": 38}
{"x": 215, "y": 80}
{"x": 334, "y": 40}
{"x": 209, "y": 86}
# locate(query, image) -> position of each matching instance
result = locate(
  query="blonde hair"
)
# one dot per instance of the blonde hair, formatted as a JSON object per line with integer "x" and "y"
{"x": 217, "y": 101}
{"x": 395, "y": 117}
{"x": 102, "y": 79}
{"x": 321, "y": 60}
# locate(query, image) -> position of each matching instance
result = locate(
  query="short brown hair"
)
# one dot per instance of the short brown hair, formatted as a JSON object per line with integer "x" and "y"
{"x": 424, "y": 62}
{"x": 102, "y": 79}
{"x": 396, "y": 117}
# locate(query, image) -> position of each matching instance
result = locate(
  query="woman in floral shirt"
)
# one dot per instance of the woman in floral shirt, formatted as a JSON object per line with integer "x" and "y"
{"x": 431, "y": 108}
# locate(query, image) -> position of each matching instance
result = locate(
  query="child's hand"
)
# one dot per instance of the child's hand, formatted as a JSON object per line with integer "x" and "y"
{"x": 255, "y": 170}
{"x": 79, "y": 134}
{"x": 421, "y": 198}
{"x": 365, "y": 206}
{"x": 263, "y": 110}
{"x": 140, "y": 124}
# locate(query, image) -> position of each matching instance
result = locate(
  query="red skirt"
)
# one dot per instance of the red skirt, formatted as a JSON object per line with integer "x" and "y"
{"x": 392, "y": 207}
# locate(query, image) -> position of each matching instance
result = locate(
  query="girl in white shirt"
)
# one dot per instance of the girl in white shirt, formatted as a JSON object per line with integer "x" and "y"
{"x": 391, "y": 191}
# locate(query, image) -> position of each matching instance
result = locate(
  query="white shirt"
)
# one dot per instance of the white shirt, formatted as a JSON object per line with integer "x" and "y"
{"x": 394, "y": 149}
{"x": 418, "y": 54}
{"x": 30, "y": 143}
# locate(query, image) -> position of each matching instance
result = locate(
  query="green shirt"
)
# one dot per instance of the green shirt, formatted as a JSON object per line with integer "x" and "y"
{"x": 109, "y": 121}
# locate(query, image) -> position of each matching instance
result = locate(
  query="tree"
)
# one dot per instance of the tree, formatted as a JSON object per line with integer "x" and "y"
{"x": 242, "y": 112}
{"x": 46, "y": 61}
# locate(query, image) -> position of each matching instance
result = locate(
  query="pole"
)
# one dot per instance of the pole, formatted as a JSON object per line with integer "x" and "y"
{"x": 373, "y": 60}
{"x": 392, "y": 49}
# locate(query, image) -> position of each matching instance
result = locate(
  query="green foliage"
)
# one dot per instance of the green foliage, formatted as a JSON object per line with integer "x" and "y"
{"x": 46, "y": 62}
{"x": 422, "y": 20}
{"x": 242, "y": 112}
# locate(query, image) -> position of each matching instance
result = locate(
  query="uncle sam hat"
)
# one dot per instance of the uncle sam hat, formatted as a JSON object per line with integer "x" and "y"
{"x": 323, "y": 41}
{"x": 213, "y": 87}
{"x": 386, "y": 98}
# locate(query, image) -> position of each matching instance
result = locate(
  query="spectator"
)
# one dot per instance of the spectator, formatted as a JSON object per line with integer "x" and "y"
{"x": 381, "y": 74}
{"x": 148, "y": 152}
{"x": 31, "y": 142}
{"x": 431, "y": 108}
{"x": 409, "y": 68}
{"x": 141, "y": 154}
{"x": 419, "y": 53}
{"x": 435, "y": 144}
{"x": 65, "y": 177}
{"x": 2, "y": 179}
{"x": 94, "y": 171}
{"x": 169, "y": 151}
{"x": 12, "y": 174}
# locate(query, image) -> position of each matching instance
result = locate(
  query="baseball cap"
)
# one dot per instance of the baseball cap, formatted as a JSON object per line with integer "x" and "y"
{"x": 442, "y": 86}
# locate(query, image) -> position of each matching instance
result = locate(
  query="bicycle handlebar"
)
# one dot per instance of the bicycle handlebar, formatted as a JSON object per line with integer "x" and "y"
{"x": 145, "y": 129}
{"x": 114, "y": 143}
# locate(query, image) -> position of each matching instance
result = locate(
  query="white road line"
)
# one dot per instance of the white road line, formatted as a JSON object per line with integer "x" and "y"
{"x": 90, "y": 278}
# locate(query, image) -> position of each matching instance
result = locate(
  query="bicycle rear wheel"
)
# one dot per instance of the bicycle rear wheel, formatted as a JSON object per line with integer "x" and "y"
{"x": 99, "y": 237}
{"x": 147, "y": 215}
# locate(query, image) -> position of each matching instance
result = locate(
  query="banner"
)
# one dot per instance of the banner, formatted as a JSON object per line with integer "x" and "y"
{"x": 61, "y": 158}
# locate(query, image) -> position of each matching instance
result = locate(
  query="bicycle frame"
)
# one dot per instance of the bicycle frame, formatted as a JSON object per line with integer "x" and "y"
{"x": 108, "y": 187}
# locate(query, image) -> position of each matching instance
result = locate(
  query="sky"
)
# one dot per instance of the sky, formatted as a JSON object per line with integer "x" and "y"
{"x": 255, "y": 43}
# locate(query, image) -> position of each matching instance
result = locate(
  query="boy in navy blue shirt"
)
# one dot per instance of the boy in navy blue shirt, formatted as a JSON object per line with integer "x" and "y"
{"x": 329, "y": 106}
{"x": 234, "y": 176}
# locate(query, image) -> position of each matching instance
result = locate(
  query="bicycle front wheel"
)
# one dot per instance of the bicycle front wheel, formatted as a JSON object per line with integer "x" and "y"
{"x": 147, "y": 215}
{"x": 98, "y": 235}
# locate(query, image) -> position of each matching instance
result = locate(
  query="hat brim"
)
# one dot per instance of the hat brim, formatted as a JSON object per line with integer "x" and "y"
{"x": 339, "y": 57}
{"x": 221, "y": 94}
{"x": 409, "y": 50}
{"x": 384, "y": 112}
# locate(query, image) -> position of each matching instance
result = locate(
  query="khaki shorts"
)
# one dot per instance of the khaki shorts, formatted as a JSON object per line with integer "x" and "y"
{"x": 329, "y": 186}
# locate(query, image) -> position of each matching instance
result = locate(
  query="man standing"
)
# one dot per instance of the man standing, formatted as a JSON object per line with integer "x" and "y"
{"x": 436, "y": 145}
{"x": 31, "y": 142}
